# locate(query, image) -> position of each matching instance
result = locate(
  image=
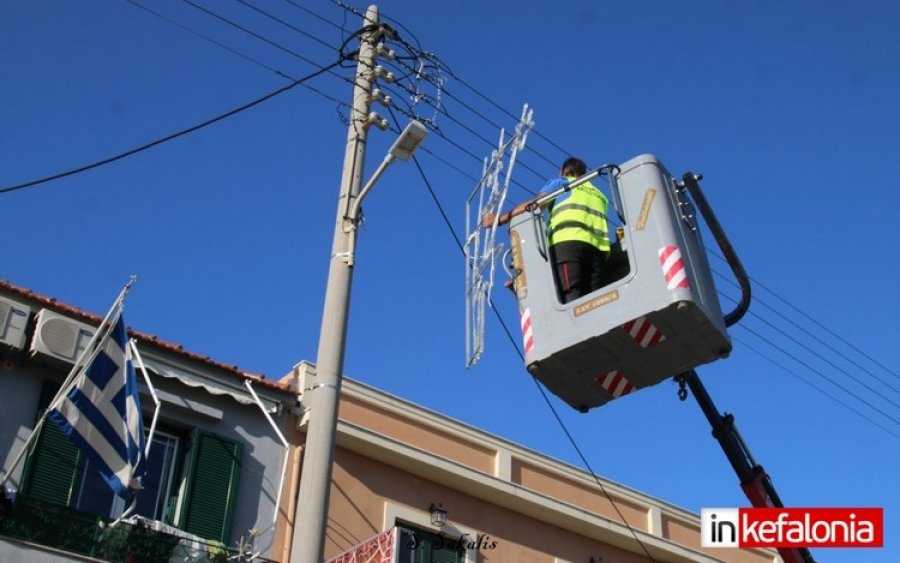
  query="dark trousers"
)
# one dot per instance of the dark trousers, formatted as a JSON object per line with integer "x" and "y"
{"x": 579, "y": 268}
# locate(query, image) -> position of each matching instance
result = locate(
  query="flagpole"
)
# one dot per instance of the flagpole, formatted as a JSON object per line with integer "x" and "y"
{"x": 105, "y": 328}
{"x": 153, "y": 395}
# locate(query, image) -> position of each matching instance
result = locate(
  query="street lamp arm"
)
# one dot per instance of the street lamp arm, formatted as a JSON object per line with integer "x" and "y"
{"x": 403, "y": 148}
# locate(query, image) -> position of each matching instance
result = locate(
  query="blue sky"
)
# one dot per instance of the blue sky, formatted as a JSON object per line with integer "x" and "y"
{"x": 788, "y": 109}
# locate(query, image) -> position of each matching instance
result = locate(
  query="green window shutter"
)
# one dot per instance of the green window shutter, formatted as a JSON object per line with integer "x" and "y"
{"x": 432, "y": 548}
{"x": 51, "y": 469}
{"x": 211, "y": 488}
{"x": 441, "y": 552}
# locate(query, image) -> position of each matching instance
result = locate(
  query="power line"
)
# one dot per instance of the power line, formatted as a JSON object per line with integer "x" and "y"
{"x": 167, "y": 138}
{"x": 286, "y": 24}
{"x": 314, "y": 14}
{"x": 244, "y": 56}
{"x": 540, "y": 388}
{"x": 207, "y": 38}
{"x": 820, "y": 390}
{"x": 407, "y": 90}
{"x": 817, "y": 354}
{"x": 446, "y": 219}
{"x": 831, "y": 332}
{"x": 416, "y": 50}
{"x": 256, "y": 35}
{"x": 820, "y": 374}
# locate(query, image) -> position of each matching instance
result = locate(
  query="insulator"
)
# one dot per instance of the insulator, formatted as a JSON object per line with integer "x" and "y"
{"x": 379, "y": 96}
{"x": 381, "y": 72}
{"x": 377, "y": 121}
{"x": 382, "y": 50}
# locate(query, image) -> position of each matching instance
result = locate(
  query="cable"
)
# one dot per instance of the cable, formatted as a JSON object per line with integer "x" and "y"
{"x": 417, "y": 50}
{"x": 284, "y": 23}
{"x": 540, "y": 388}
{"x": 820, "y": 374}
{"x": 444, "y": 111}
{"x": 820, "y": 356}
{"x": 408, "y": 90}
{"x": 496, "y": 105}
{"x": 351, "y": 81}
{"x": 284, "y": 75}
{"x": 462, "y": 149}
{"x": 813, "y": 336}
{"x": 831, "y": 332}
{"x": 238, "y": 53}
{"x": 310, "y": 12}
{"x": 207, "y": 38}
{"x": 254, "y": 34}
{"x": 830, "y": 396}
{"x": 167, "y": 138}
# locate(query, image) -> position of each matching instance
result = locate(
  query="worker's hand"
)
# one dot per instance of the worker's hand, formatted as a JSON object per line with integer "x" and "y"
{"x": 487, "y": 221}
{"x": 554, "y": 184}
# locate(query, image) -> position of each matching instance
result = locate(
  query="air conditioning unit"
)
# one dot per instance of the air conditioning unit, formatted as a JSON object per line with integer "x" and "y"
{"x": 60, "y": 337}
{"x": 13, "y": 322}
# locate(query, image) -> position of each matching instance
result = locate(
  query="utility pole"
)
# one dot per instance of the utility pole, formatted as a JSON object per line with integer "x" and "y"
{"x": 311, "y": 514}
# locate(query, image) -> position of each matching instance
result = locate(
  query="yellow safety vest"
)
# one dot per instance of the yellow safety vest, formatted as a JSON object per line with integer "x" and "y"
{"x": 580, "y": 215}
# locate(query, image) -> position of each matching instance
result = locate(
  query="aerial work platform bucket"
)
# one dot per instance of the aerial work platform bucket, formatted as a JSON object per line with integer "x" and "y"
{"x": 658, "y": 316}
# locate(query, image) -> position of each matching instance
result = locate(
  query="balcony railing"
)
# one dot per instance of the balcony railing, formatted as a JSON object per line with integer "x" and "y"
{"x": 59, "y": 527}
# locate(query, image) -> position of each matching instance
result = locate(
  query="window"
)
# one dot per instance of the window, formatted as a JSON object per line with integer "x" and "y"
{"x": 93, "y": 495}
{"x": 420, "y": 546}
{"x": 205, "y": 466}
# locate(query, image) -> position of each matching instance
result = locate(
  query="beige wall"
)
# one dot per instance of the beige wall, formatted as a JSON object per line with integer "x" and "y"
{"x": 362, "y": 487}
{"x": 394, "y": 459}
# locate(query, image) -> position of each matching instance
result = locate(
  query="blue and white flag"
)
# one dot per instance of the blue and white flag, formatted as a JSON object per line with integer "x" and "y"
{"x": 101, "y": 414}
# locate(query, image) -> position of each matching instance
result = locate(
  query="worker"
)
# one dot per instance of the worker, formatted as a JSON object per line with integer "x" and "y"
{"x": 578, "y": 233}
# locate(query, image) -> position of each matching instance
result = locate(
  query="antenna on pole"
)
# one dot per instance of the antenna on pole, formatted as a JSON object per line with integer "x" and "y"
{"x": 481, "y": 249}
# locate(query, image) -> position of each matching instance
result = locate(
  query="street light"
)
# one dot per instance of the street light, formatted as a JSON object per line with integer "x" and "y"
{"x": 408, "y": 141}
{"x": 403, "y": 148}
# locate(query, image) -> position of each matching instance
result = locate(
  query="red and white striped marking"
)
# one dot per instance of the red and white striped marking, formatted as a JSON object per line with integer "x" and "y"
{"x": 615, "y": 384}
{"x": 673, "y": 267}
{"x": 527, "y": 333}
{"x": 644, "y": 332}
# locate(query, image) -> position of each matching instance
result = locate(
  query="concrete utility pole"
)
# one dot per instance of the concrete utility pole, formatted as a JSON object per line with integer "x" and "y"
{"x": 311, "y": 514}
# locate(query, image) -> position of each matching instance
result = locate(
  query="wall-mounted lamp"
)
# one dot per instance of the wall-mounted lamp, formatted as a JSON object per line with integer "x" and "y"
{"x": 438, "y": 515}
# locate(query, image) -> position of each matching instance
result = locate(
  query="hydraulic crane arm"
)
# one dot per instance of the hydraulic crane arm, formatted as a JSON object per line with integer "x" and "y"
{"x": 756, "y": 484}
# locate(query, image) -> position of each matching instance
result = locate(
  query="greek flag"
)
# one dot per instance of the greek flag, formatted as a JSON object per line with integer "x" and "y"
{"x": 101, "y": 413}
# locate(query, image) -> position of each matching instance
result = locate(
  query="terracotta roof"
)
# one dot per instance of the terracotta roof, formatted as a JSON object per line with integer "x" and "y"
{"x": 93, "y": 319}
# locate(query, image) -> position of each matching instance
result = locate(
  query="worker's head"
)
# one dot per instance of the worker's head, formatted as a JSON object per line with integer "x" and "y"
{"x": 573, "y": 167}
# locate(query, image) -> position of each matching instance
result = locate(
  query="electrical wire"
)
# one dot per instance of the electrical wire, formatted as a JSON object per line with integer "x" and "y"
{"x": 408, "y": 90}
{"x": 817, "y": 372}
{"x": 284, "y": 23}
{"x": 817, "y": 354}
{"x": 280, "y": 46}
{"x": 244, "y": 56}
{"x": 794, "y": 374}
{"x": 446, "y": 112}
{"x": 254, "y": 34}
{"x": 208, "y": 38}
{"x": 416, "y": 51}
{"x": 843, "y": 340}
{"x": 456, "y": 145}
{"x": 820, "y": 374}
{"x": 314, "y": 14}
{"x": 540, "y": 388}
{"x": 822, "y": 346}
{"x": 173, "y": 136}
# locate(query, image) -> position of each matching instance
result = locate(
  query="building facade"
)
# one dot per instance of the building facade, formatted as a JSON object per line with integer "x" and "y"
{"x": 214, "y": 466}
{"x": 409, "y": 485}
{"x": 396, "y": 462}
